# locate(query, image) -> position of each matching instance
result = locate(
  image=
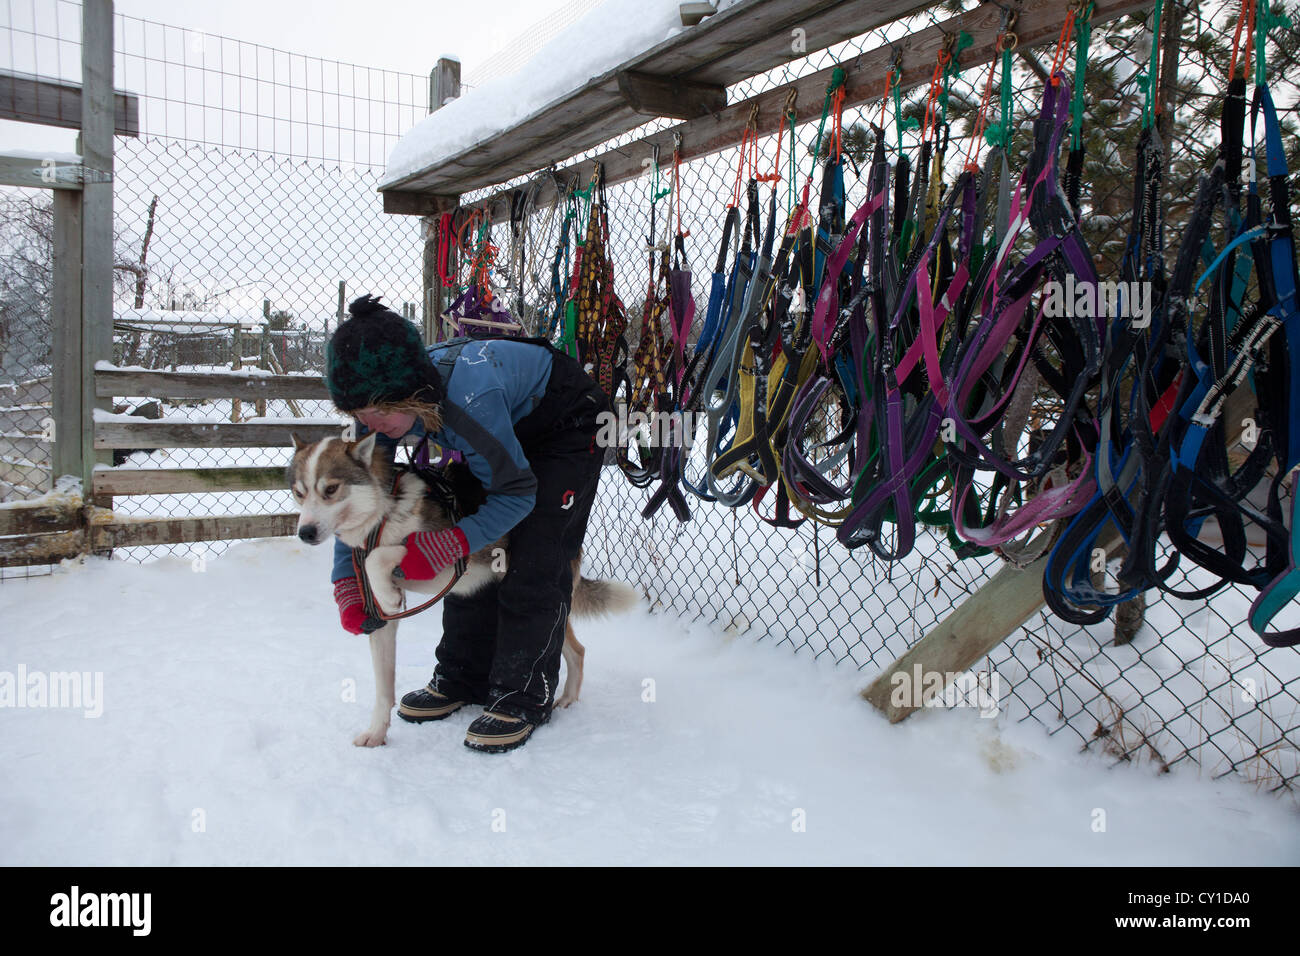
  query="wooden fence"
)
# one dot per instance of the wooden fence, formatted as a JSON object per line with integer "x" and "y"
{"x": 65, "y": 523}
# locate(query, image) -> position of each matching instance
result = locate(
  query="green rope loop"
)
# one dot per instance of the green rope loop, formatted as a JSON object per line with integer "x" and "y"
{"x": 952, "y": 69}
{"x": 1080, "y": 70}
{"x": 1265, "y": 21}
{"x": 1147, "y": 81}
{"x": 838, "y": 76}
{"x": 999, "y": 134}
{"x": 903, "y": 125}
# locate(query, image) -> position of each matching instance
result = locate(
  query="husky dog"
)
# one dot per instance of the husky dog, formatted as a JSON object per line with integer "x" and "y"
{"x": 343, "y": 488}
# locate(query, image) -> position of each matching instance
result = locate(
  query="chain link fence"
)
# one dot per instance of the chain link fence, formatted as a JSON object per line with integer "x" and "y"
{"x": 1172, "y": 683}
{"x": 265, "y": 168}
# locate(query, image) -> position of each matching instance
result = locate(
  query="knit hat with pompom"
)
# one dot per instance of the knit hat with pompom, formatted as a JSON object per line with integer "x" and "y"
{"x": 375, "y": 357}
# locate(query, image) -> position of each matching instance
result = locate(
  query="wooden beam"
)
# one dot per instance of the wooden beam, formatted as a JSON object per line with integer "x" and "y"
{"x": 733, "y": 45}
{"x": 110, "y": 383}
{"x": 26, "y": 550}
{"x": 670, "y": 96}
{"x": 166, "y": 481}
{"x": 1039, "y": 22}
{"x": 39, "y": 173}
{"x": 127, "y": 533}
{"x": 41, "y": 515}
{"x": 410, "y": 203}
{"x": 147, "y": 434}
{"x": 34, "y": 99}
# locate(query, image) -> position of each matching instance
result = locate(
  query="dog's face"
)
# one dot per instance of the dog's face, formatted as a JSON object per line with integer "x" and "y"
{"x": 335, "y": 490}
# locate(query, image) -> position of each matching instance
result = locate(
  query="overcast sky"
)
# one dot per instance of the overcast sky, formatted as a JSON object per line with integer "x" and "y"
{"x": 404, "y": 35}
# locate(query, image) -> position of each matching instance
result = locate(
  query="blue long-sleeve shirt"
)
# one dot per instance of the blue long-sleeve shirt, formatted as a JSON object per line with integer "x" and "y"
{"x": 493, "y": 384}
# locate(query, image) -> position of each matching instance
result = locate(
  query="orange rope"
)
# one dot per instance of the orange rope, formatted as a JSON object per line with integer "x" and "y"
{"x": 1247, "y": 14}
{"x": 1062, "y": 46}
{"x": 837, "y": 124}
{"x": 981, "y": 117}
{"x": 932, "y": 99}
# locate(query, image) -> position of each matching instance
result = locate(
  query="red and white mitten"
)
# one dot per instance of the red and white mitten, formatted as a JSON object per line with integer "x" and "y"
{"x": 352, "y": 610}
{"x": 429, "y": 552}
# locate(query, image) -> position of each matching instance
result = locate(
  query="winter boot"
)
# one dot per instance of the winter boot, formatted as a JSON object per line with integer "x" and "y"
{"x": 427, "y": 704}
{"x": 495, "y": 733}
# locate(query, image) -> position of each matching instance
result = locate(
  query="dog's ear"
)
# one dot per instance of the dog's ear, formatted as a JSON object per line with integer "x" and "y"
{"x": 364, "y": 450}
{"x": 298, "y": 443}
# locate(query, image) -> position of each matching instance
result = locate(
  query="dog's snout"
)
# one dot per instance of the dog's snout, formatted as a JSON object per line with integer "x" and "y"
{"x": 309, "y": 533}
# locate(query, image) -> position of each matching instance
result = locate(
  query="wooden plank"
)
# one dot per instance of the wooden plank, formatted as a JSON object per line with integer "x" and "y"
{"x": 402, "y": 202}
{"x": 734, "y": 45}
{"x": 162, "y": 481}
{"x": 111, "y": 383}
{"x": 37, "y": 173}
{"x": 994, "y": 612}
{"x": 26, "y": 550}
{"x": 34, "y": 99}
{"x": 210, "y": 434}
{"x": 65, "y": 318}
{"x": 126, "y": 533}
{"x": 670, "y": 96}
{"x": 40, "y": 516}
{"x": 1039, "y": 22}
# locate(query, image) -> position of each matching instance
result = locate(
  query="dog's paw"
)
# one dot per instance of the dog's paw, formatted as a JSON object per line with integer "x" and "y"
{"x": 387, "y": 597}
{"x": 371, "y": 738}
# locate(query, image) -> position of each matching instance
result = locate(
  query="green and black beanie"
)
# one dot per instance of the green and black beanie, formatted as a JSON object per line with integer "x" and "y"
{"x": 376, "y": 356}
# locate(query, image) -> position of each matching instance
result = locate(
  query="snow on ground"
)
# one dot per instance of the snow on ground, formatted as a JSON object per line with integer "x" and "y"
{"x": 226, "y": 726}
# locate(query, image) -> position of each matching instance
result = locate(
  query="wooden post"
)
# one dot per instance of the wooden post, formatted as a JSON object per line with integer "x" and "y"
{"x": 342, "y": 310}
{"x": 96, "y": 147}
{"x": 65, "y": 315}
{"x": 262, "y": 361}
{"x": 444, "y": 85}
{"x": 237, "y": 362}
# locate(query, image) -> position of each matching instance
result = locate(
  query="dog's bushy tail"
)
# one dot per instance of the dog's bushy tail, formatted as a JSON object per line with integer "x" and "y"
{"x": 598, "y": 598}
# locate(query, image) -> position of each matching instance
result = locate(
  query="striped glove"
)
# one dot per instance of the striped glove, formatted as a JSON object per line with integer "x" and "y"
{"x": 352, "y": 611}
{"x": 428, "y": 552}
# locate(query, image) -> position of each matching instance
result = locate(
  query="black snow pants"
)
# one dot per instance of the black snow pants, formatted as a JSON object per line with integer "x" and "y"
{"x": 501, "y": 646}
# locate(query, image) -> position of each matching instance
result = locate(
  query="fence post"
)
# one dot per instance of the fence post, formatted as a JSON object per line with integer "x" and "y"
{"x": 342, "y": 310}
{"x": 444, "y": 85}
{"x": 236, "y": 363}
{"x": 65, "y": 316}
{"x": 263, "y": 361}
{"x": 96, "y": 147}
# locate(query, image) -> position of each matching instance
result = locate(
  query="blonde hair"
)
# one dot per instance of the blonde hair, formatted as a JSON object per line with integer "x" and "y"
{"x": 429, "y": 415}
